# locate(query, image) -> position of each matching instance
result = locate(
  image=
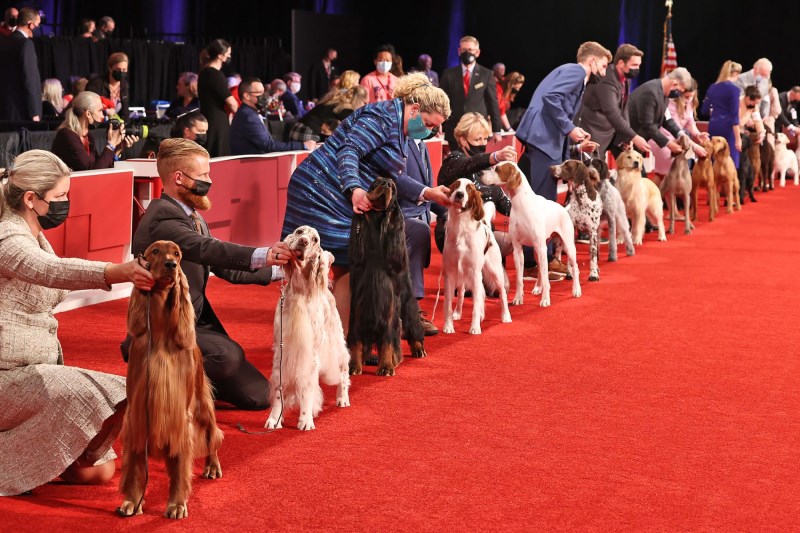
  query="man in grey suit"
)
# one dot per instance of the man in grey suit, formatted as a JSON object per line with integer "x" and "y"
{"x": 647, "y": 109}
{"x": 604, "y": 111}
{"x": 471, "y": 88}
{"x": 759, "y": 76}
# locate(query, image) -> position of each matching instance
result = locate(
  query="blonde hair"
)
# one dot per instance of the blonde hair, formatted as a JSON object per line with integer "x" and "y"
{"x": 729, "y": 68}
{"x": 84, "y": 101}
{"x": 680, "y": 104}
{"x": 348, "y": 79}
{"x": 469, "y": 39}
{"x": 469, "y": 123}
{"x": 416, "y": 88}
{"x": 592, "y": 49}
{"x": 37, "y": 171}
{"x": 176, "y": 153}
{"x": 352, "y": 98}
{"x": 52, "y": 92}
{"x": 511, "y": 79}
{"x": 190, "y": 80}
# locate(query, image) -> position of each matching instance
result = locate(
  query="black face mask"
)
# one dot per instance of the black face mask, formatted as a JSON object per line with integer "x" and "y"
{"x": 434, "y": 133}
{"x": 466, "y": 58}
{"x": 201, "y": 138}
{"x": 632, "y": 73}
{"x": 200, "y": 187}
{"x": 261, "y": 103}
{"x": 593, "y": 78}
{"x": 57, "y": 213}
{"x": 514, "y": 91}
{"x": 227, "y": 61}
{"x": 674, "y": 93}
{"x": 119, "y": 75}
{"x": 12, "y": 22}
{"x": 750, "y": 106}
{"x": 475, "y": 150}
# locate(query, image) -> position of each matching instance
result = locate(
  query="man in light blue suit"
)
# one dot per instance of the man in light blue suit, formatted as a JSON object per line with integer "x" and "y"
{"x": 417, "y": 198}
{"x": 547, "y": 124}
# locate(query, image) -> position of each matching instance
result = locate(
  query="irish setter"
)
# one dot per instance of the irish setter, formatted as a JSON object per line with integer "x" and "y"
{"x": 170, "y": 411}
{"x": 380, "y": 286}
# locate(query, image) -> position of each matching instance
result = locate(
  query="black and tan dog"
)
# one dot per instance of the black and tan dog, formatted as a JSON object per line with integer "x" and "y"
{"x": 380, "y": 286}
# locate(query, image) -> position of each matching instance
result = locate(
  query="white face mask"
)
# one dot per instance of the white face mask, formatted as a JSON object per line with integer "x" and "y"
{"x": 384, "y": 66}
{"x": 295, "y": 87}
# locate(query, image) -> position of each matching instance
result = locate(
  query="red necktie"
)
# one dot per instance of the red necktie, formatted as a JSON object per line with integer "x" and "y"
{"x": 466, "y": 82}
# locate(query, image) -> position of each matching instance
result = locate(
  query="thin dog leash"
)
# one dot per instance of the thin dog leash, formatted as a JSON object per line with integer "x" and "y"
{"x": 280, "y": 370}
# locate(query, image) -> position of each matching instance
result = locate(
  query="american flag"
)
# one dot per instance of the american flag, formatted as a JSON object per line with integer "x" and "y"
{"x": 669, "y": 58}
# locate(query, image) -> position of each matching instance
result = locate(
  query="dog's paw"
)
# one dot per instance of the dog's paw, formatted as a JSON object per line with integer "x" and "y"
{"x": 517, "y": 301}
{"x": 343, "y": 402}
{"x": 305, "y": 424}
{"x": 355, "y": 370}
{"x": 273, "y": 424}
{"x": 576, "y": 291}
{"x": 613, "y": 258}
{"x": 212, "y": 470}
{"x": 537, "y": 290}
{"x": 475, "y": 330}
{"x": 129, "y": 508}
{"x": 385, "y": 371}
{"x": 448, "y": 328}
{"x": 456, "y": 315}
{"x": 630, "y": 251}
{"x": 417, "y": 351}
{"x": 544, "y": 302}
{"x": 662, "y": 238}
{"x": 176, "y": 511}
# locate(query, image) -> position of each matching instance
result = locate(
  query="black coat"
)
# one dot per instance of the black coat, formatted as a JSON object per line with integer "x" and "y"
{"x": 482, "y": 98}
{"x": 21, "y": 85}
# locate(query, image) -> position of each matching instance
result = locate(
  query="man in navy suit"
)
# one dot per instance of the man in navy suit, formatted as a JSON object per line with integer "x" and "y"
{"x": 547, "y": 124}
{"x": 417, "y": 198}
{"x": 471, "y": 88}
{"x": 21, "y": 88}
{"x": 249, "y": 134}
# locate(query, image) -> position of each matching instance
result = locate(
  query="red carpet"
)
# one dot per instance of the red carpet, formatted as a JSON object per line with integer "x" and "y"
{"x": 665, "y": 398}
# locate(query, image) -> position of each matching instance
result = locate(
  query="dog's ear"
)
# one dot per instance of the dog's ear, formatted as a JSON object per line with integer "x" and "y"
{"x": 475, "y": 201}
{"x": 592, "y": 182}
{"x": 182, "y": 313}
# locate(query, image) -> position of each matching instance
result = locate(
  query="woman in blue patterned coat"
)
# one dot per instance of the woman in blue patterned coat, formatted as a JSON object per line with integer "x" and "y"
{"x": 331, "y": 184}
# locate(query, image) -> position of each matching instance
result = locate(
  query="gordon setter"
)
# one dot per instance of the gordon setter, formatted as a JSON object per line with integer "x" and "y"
{"x": 381, "y": 298}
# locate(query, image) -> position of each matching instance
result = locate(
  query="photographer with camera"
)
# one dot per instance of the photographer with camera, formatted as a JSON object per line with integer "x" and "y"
{"x": 73, "y": 144}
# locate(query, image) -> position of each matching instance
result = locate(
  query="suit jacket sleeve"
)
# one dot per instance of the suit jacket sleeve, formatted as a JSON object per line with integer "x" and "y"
{"x": 554, "y": 101}
{"x": 262, "y": 276}
{"x": 32, "y": 81}
{"x": 649, "y": 123}
{"x": 408, "y": 188}
{"x": 608, "y": 96}
{"x": 459, "y": 165}
{"x": 490, "y": 95}
{"x": 671, "y": 126}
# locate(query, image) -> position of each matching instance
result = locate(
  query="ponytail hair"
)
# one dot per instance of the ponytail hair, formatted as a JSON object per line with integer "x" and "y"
{"x": 214, "y": 49}
{"x": 84, "y": 101}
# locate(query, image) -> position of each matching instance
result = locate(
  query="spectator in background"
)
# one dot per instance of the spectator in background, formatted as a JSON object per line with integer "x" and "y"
{"x": 424, "y": 64}
{"x": 9, "y": 23}
{"x": 397, "y": 66}
{"x": 335, "y": 106}
{"x": 78, "y": 85}
{"x": 249, "y": 134}
{"x": 233, "y": 86}
{"x": 320, "y": 75}
{"x": 759, "y": 76}
{"x": 86, "y": 29}
{"x": 789, "y": 104}
{"x": 186, "y": 95}
{"x": 214, "y": 96}
{"x": 74, "y": 145}
{"x": 380, "y": 83}
{"x": 721, "y": 105}
{"x": 52, "y": 99}
{"x": 193, "y": 126}
{"x": 349, "y": 79}
{"x": 470, "y": 88}
{"x": 291, "y": 102}
{"x": 21, "y": 86}
{"x": 509, "y": 89}
{"x": 114, "y": 85}
{"x": 277, "y": 88}
{"x": 105, "y": 28}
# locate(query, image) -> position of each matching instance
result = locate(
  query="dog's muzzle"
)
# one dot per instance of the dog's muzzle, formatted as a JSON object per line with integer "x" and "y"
{"x": 170, "y": 265}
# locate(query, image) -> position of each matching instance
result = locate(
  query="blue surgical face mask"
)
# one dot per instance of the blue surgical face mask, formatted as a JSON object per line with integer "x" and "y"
{"x": 417, "y": 129}
{"x": 758, "y": 78}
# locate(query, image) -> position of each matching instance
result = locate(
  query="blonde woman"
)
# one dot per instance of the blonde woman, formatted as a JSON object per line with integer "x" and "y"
{"x": 72, "y": 142}
{"x": 57, "y": 420}
{"x": 337, "y": 106}
{"x": 52, "y": 99}
{"x": 722, "y": 105}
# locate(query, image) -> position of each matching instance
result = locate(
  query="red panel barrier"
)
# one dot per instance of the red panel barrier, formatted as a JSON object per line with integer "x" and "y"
{"x": 99, "y": 222}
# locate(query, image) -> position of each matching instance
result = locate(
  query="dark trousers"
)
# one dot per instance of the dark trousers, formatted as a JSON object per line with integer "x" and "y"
{"x": 418, "y": 244}
{"x": 234, "y": 379}
{"x": 543, "y": 184}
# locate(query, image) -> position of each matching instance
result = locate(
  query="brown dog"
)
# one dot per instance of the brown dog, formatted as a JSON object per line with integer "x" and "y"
{"x": 703, "y": 176}
{"x": 725, "y": 176}
{"x": 678, "y": 182}
{"x": 170, "y": 411}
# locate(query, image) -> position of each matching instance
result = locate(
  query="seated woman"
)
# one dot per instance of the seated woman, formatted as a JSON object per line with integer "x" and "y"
{"x": 334, "y": 106}
{"x": 186, "y": 96}
{"x": 52, "y": 99}
{"x": 193, "y": 126}
{"x": 472, "y": 135}
{"x": 72, "y": 142}
{"x": 68, "y": 416}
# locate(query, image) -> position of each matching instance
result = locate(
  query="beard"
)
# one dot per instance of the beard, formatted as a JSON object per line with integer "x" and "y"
{"x": 201, "y": 203}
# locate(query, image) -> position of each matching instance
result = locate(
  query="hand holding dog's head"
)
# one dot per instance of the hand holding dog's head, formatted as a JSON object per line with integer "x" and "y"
{"x": 382, "y": 193}
{"x": 164, "y": 258}
{"x": 720, "y": 145}
{"x": 304, "y": 243}
{"x": 505, "y": 174}
{"x": 576, "y": 174}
